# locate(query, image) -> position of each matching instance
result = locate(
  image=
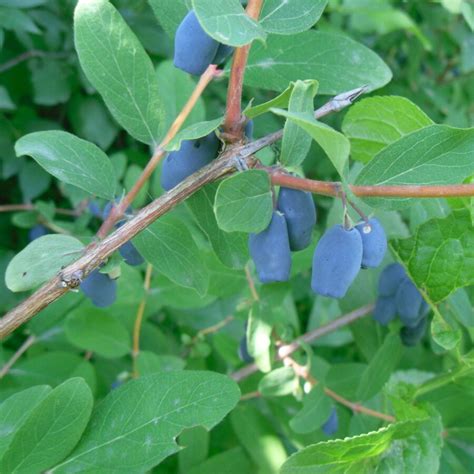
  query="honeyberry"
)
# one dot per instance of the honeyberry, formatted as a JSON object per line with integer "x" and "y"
{"x": 193, "y": 155}
{"x": 411, "y": 336}
{"x": 408, "y": 300}
{"x": 128, "y": 251}
{"x": 36, "y": 232}
{"x": 374, "y": 243}
{"x": 390, "y": 279}
{"x": 300, "y": 214}
{"x": 336, "y": 261}
{"x": 194, "y": 49}
{"x": 331, "y": 425}
{"x": 244, "y": 351}
{"x": 385, "y": 309}
{"x": 249, "y": 129}
{"x": 270, "y": 251}
{"x": 100, "y": 289}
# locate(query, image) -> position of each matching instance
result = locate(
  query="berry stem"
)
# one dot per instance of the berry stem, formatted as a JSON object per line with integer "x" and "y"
{"x": 233, "y": 124}
{"x": 138, "y": 321}
{"x": 21, "y": 350}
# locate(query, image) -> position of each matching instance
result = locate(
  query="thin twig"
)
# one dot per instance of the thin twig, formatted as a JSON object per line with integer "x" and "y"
{"x": 288, "y": 349}
{"x": 233, "y": 124}
{"x": 250, "y": 395}
{"x": 21, "y": 350}
{"x": 159, "y": 153}
{"x": 28, "y": 55}
{"x": 137, "y": 327}
{"x": 356, "y": 407}
{"x": 251, "y": 283}
{"x": 32, "y": 207}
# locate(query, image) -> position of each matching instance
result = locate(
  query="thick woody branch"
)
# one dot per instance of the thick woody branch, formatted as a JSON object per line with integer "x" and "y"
{"x": 233, "y": 125}
{"x": 97, "y": 253}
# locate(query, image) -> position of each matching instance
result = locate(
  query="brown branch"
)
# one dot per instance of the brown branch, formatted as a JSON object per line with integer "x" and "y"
{"x": 159, "y": 153}
{"x": 97, "y": 253}
{"x": 288, "y": 349}
{"x": 327, "y": 188}
{"x": 356, "y": 407}
{"x": 32, "y": 207}
{"x": 28, "y": 55}
{"x": 233, "y": 124}
{"x": 137, "y": 327}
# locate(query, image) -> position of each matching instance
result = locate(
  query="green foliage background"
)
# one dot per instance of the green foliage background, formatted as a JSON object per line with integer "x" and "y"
{"x": 61, "y": 408}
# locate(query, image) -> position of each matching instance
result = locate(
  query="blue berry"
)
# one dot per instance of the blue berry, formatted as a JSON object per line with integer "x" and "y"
{"x": 374, "y": 243}
{"x": 409, "y": 301}
{"x": 100, "y": 289}
{"x": 300, "y": 214}
{"x": 390, "y": 279}
{"x": 270, "y": 251}
{"x": 332, "y": 423}
{"x": 193, "y": 155}
{"x": 194, "y": 49}
{"x": 336, "y": 261}
{"x": 36, "y": 232}
{"x": 411, "y": 336}
{"x": 385, "y": 309}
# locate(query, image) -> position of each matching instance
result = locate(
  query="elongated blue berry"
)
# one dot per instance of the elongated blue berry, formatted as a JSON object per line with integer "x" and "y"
{"x": 409, "y": 301}
{"x": 193, "y": 155}
{"x": 36, "y": 232}
{"x": 411, "y": 336}
{"x": 249, "y": 130}
{"x": 194, "y": 49}
{"x": 100, "y": 289}
{"x": 300, "y": 214}
{"x": 130, "y": 254}
{"x": 244, "y": 351}
{"x": 270, "y": 251}
{"x": 374, "y": 243}
{"x": 331, "y": 425}
{"x": 385, "y": 309}
{"x": 336, "y": 261}
{"x": 390, "y": 279}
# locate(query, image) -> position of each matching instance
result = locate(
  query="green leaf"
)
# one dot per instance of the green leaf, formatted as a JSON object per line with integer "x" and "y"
{"x": 72, "y": 160}
{"x": 440, "y": 256}
{"x": 41, "y": 260}
{"x": 380, "y": 368}
{"x": 193, "y": 132}
{"x": 278, "y": 382}
{"x": 346, "y": 455}
{"x": 46, "y": 91}
{"x": 337, "y": 62}
{"x": 232, "y": 461}
{"x": 16, "y": 20}
{"x": 230, "y": 247}
{"x": 150, "y": 363}
{"x": 15, "y": 410}
{"x": 161, "y": 405}
{"x": 169, "y": 14}
{"x": 280, "y": 100}
{"x": 196, "y": 448}
{"x": 316, "y": 410}
{"x": 419, "y": 452}
{"x": 287, "y": 17}
{"x": 335, "y": 144}
{"x": 436, "y": 154}
{"x": 244, "y": 202}
{"x": 257, "y": 435}
{"x": 52, "y": 430}
{"x": 168, "y": 245}
{"x": 6, "y": 102}
{"x": 376, "y": 122}
{"x": 296, "y": 142}
{"x": 179, "y": 86}
{"x": 96, "y": 330}
{"x": 227, "y": 22}
{"x": 259, "y": 332}
{"x": 118, "y": 67}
